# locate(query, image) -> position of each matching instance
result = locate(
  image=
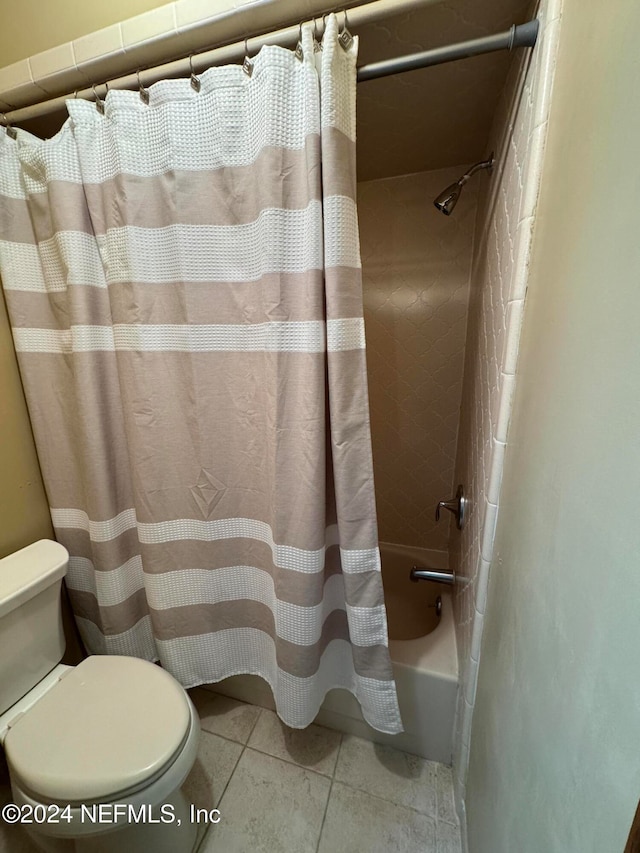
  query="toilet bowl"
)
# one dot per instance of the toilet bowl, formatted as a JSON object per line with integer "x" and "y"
{"x": 97, "y": 753}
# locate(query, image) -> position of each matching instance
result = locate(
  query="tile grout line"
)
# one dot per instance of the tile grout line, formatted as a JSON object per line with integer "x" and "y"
{"x": 231, "y": 775}
{"x": 324, "y": 816}
{"x": 433, "y": 817}
{"x": 235, "y": 766}
{"x": 254, "y": 748}
{"x": 438, "y": 820}
{"x": 326, "y": 807}
{"x": 409, "y": 808}
{"x": 288, "y": 761}
{"x": 253, "y": 727}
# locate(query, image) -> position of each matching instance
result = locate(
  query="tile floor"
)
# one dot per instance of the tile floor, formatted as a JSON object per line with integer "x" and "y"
{"x": 281, "y": 790}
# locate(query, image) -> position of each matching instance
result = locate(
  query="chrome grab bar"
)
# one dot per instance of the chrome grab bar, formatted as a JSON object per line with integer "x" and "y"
{"x": 438, "y": 575}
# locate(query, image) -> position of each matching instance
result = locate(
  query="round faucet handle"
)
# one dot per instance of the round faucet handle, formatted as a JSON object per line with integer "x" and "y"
{"x": 457, "y": 506}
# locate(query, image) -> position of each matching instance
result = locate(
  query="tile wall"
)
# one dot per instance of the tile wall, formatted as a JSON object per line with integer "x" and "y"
{"x": 504, "y": 229}
{"x": 416, "y": 265}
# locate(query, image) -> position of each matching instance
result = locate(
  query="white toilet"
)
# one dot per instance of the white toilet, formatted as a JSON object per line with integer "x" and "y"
{"x": 112, "y": 730}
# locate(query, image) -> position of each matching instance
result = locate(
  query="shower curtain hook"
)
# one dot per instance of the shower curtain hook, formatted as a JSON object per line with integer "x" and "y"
{"x": 345, "y": 38}
{"x": 299, "y": 51}
{"x": 10, "y": 131}
{"x": 144, "y": 93}
{"x": 194, "y": 80}
{"x": 99, "y": 103}
{"x": 247, "y": 65}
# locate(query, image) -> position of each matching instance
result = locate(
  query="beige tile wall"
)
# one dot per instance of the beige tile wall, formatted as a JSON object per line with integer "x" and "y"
{"x": 506, "y": 212}
{"x": 416, "y": 266}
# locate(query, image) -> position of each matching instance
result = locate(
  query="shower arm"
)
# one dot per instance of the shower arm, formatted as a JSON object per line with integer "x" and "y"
{"x": 483, "y": 164}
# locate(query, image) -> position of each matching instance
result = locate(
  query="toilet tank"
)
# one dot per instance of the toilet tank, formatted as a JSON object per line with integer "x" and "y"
{"x": 31, "y": 636}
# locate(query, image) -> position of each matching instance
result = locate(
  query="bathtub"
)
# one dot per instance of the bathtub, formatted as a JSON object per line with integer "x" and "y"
{"x": 424, "y": 656}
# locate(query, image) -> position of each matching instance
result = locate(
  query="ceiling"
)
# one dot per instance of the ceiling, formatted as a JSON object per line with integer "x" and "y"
{"x": 438, "y": 116}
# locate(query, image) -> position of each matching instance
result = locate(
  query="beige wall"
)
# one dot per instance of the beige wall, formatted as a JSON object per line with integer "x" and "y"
{"x": 415, "y": 266}
{"x": 30, "y": 26}
{"x": 24, "y": 511}
{"x": 24, "y": 514}
{"x": 554, "y": 746}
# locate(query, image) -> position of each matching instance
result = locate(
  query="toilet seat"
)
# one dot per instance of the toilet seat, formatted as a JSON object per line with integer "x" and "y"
{"x": 109, "y": 728}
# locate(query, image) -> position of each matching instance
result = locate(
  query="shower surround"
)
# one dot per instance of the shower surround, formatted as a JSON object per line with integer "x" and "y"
{"x": 415, "y": 269}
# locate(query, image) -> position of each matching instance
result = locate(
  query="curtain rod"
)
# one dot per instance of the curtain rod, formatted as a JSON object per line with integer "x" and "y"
{"x": 520, "y": 35}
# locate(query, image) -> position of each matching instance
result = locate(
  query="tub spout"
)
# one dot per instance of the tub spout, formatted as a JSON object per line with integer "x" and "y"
{"x": 439, "y": 575}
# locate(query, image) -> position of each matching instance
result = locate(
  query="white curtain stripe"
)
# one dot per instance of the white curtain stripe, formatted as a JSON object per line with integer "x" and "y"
{"x": 244, "y": 650}
{"x": 342, "y": 242}
{"x": 354, "y": 561}
{"x": 346, "y": 334}
{"x": 69, "y": 257}
{"x": 137, "y": 642}
{"x": 216, "y": 252}
{"x": 257, "y": 337}
{"x": 111, "y": 587}
{"x": 306, "y": 336}
{"x": 152, "y": 255}
{"x": 99, "y": 531}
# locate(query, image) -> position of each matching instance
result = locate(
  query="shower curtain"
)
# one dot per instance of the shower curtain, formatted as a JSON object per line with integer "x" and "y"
{"x": 183, "y": 281}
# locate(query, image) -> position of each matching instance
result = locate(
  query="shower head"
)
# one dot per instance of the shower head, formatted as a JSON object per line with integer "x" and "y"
{"x": 448, "y": 198}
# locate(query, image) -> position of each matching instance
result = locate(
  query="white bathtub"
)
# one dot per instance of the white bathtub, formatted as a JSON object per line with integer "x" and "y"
{"x": 425, "y": 668}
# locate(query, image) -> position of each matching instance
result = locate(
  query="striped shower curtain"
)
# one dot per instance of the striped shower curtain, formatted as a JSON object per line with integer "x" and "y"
{"x": 183, "y": 281}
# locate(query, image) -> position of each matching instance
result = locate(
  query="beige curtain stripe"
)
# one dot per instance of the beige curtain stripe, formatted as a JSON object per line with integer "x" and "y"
{"x": 282, "y": 297}
{"x": 279, "y": 297}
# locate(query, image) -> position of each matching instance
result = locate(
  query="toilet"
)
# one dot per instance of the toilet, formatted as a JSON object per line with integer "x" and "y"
{"x": 97, "y": 753}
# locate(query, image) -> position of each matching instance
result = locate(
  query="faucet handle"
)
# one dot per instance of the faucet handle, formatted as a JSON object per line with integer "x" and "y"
{"x": 457, "y": 506}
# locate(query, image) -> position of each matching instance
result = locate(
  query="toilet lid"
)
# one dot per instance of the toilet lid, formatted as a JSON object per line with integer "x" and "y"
{"x": 110, "y": 726}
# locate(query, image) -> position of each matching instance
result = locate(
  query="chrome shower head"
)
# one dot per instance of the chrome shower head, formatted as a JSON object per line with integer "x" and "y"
{"x": 448, "y": 198}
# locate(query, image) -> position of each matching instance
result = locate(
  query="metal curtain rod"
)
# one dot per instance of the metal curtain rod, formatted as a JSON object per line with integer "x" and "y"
{"x": 520, "y": 35}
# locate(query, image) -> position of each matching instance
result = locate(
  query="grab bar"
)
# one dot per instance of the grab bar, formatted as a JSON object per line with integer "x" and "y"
{"x": 438, "y": 575}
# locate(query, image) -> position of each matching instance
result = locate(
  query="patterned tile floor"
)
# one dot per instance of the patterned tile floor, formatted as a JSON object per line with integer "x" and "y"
{"x": 281, "y": 790}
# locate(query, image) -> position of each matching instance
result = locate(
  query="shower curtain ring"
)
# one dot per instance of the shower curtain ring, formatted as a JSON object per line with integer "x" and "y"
{"x": 247, "y": 65}
{"x": 10, "y": 131}
{"x": 317, "y": 45}
{"x": 345, "y": 38}
{"x": 194, "y": 80}
{"x": 99, "y": 103}
{"x": 144, "y": 93}
{"x": 299, "y": 51}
